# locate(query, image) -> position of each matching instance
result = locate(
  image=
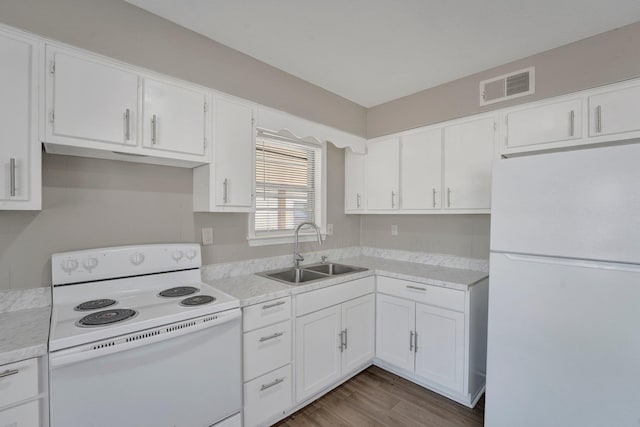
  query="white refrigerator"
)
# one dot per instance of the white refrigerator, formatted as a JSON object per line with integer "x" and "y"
{"x": 564, "y": 293}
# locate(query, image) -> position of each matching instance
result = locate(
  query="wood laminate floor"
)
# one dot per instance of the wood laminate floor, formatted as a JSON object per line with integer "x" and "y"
{"x": 376, "y": 397}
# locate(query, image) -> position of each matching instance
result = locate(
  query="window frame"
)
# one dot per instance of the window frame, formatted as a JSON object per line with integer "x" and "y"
{"x": 306, "y": 234}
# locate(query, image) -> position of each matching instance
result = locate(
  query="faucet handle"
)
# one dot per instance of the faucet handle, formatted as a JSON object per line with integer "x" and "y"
{"x": 324, "y": 258}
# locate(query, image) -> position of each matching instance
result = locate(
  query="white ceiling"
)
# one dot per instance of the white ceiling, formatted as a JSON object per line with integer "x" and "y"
{"x": 373, "y": 51}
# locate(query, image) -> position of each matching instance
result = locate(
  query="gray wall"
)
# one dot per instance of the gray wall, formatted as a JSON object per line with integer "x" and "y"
{"x": 595, "y": 61}
{"x": 122, "y": 31}
{"x": 91, "y": 203}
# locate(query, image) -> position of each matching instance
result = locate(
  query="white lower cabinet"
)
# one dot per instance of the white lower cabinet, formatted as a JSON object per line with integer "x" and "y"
{"x": 267, "y": 373}
{"x": 20, "y": 394}
{"x": 434, "y": 336}
{"x": 336, "y": 341}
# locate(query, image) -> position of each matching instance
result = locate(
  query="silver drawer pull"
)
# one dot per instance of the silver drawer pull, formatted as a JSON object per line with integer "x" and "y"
{"x": 127, "y": 124}
{"x": 9, "y": 372}
{"x": 275, "y": 304}
{"x": 154, "y": 130}
{"x": 271, "y": 384}
{"x": 12, "y": 176}
{"x": 417, "y": 288}
{"x": 270, "y": 337}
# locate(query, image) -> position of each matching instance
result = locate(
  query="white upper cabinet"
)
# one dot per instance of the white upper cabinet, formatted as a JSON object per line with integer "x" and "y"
{"x": 353, "y": 181}
{"x": 383, "y": 174}
{"x": 228, "y": 183}
{"x": 421, "y": 170}
{"x": 20, "y": 178}
{"x": 468, "y": 159}
{"x": 89, "y": 102}
{"x": 615, "y": 112}
{"x": 174, "y": 117}
{"x": 543, "y": 124}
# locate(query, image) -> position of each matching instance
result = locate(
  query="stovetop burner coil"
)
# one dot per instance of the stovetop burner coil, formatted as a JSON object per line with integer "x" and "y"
{"x": 179, "y": 291}
{"x": 95, "y": 304}
{"x": 107, "y": 317}
{"x": 197, "y": 300}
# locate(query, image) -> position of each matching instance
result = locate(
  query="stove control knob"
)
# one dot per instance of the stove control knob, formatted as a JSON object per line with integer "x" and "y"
{"x": 177, "y": 255}
{"x": 137, "y": 258}
{"x": 90, "y": 263}
{"x": 191, "y": 254}
{"x": 68, "y": 265}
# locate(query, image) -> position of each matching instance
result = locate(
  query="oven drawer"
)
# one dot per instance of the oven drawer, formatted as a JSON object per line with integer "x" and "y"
{"x": 18, "y": 381}
{"x": 428, "y": 294}
{"x": 267, "y": 397}
{"x": 266, "y": 313}
{"x": 266, "y": 349}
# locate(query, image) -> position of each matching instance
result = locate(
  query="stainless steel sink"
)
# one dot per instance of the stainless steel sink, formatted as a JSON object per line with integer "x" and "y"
{"x": 299, "y": 275}
{"x": 333, "y": 269}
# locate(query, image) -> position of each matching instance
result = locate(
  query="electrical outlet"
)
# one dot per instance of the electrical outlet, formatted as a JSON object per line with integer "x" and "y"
{"x": 207, "y": 236}
{"x": 329, "y": 229}
{"x": 394, "y": 230}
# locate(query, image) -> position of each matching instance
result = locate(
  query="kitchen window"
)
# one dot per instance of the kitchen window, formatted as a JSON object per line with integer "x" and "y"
{"x": 290, "y": 181}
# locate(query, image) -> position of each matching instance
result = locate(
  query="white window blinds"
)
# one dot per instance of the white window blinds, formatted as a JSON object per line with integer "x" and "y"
{"x": 287, "y": 185}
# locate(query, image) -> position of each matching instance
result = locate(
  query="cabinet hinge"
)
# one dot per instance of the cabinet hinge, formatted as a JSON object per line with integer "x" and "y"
{"x": 495, "y": 126}
{"x": 52, "y": 116}
{"x": 253, "y": 121}
{"x": 52, "y": 67}
{"x": 206, "y": 107}
{"x": 205, "y": 143}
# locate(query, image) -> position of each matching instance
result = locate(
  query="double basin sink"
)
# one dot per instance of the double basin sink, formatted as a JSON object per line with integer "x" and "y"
{"x": 310, "y": 273}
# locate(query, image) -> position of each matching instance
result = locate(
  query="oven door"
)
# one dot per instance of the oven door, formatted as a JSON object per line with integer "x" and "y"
{"x": 186, "y": 374}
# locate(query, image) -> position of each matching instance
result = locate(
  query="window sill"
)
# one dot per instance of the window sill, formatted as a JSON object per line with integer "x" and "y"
{"x": 282, "y": 240}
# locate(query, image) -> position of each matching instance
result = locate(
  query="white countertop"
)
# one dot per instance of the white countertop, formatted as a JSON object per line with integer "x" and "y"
{"x": 253, "y": 289}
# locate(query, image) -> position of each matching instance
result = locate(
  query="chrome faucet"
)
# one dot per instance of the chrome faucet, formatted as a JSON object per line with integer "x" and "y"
{"x": 296, "y": 255}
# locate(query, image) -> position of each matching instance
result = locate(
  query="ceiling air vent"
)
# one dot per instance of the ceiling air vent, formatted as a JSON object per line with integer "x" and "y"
{"x": 507, "y": 86}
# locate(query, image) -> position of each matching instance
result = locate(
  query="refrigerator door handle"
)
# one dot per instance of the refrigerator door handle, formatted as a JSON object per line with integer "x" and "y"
{"x": 600, "y": 265}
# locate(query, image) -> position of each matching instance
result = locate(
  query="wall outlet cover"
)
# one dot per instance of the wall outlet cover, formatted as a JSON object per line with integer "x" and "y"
{"x": 329, "y": 229}
{"x": 207, "y": 236}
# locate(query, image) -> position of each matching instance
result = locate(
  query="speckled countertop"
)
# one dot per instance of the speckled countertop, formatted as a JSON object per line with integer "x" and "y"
{"x": 253, "y": 289}
{"x": 24, "y": 324}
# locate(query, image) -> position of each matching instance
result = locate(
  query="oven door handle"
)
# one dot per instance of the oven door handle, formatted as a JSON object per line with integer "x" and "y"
{"x": 105, "y": 347}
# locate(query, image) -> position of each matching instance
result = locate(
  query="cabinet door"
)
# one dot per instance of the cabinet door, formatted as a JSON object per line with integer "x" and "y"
{"x": 614, "y": 112}
{"x": 560, "y": 121}
{"x": 89, "y": 101}
{"x": 25, "y": 415}
{"x": 468, "y": 158}
{"x": 317, "y": 351}
{"x": 421, "y": 170}
{"x": 234, "y": 153}
{"x": 440, "y": 346}
{"x": 353, "y": 181}
{"x": 174, "y": 118}
{"x": 382, "y": 174}
{"x": 358, "y": 325}
{"x": 20, "y": 183}
{"x": 395, "y": 321}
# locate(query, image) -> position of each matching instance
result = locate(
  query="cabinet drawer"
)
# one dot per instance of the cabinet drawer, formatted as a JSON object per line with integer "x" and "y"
{"x": 18, "y": 381}
{"x": 266, "y": 349}
{"x": 267, "y": 397}
{"x": 332, "y": 295}
{"x": 420, "y": 292}
{"x": 26, "y": 415}
{"x": 266, "y": 313}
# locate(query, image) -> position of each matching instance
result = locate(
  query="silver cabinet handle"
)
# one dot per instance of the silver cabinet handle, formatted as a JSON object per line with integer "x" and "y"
{"x": 12, "y": 176}
{"x": 410, "y": 340}
{"x": 275, "y": 304}
{"x": 415, "y": 341}
{"x": 346, "y": 339}
{"x": 572, "y": 120}
{"x": 9, "y": 372}
{"x": 154, "y": 130}
{"x": 433, "y": 196}
{"x": 358, "y": 200}
{"x": 270, "y": 337}
{"x": 225, "y": 193}
{"x": 448, "y": 197}
{"x": 417, "y": 288}
{"x": 277, "y": 381}
{"x": 127, "y": 124}
{"x": 599, "y": 118}
{"x": 341, "y": 346}
{"x": 393, "y": 200}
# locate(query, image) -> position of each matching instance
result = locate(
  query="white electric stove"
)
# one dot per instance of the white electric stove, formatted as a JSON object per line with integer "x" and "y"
{"x": 138, "y": 340}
